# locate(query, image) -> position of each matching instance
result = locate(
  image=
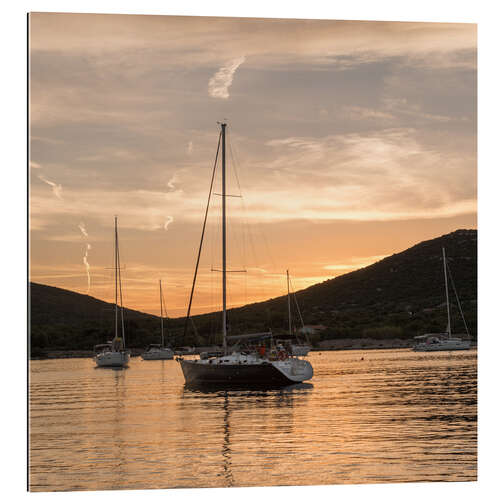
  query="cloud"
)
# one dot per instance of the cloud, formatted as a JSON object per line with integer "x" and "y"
{"x": 81, "y": 226}
{"x": 168, "y": 221}
{"x": 87, "y": 266}
{"x": 83, "y": 230}
{"x": 34, "y": 164}
{"x": 391, "y": 174}
{"x": 191, "y": 40}
{"x": 190, "y": 147}
{"x": 56, "y": 188}
{"x": 219, "y": 84}
{"x": 172, "y": 181}
{"x": 355, "y": 263}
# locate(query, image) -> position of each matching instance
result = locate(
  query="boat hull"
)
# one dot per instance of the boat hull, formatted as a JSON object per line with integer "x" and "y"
{"x": 157, "y": 355}
{"x": 300, "y": 349}
{"x": 443, "y": 346}
{"x": 261, "y": 374}
{"x": 112, "y": 359}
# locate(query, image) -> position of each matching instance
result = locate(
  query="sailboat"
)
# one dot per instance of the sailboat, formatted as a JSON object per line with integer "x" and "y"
{"x": 158, "y": 351}
{"x": 299, "y": 348}
{"x": 114, "y": 354}
{"x": 263, "y": 366}
{"x": 444, "y": 341}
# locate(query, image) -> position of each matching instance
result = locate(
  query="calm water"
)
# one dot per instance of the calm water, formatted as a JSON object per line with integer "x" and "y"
{"x": 394, "y": 416}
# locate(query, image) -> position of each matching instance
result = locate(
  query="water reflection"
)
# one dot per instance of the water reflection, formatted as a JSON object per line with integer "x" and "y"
{"x": 237, "y": 407}
{"x": 226, "y": 450}
{"x": 395, "y": 416}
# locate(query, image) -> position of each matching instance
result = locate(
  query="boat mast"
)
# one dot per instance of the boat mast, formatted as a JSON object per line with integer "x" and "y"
{"x": 447, "y": 298}
{"x": 289, "y": 311}
{"x": 224, "y": 313}
{"x": 161, "y": 316}
{"x": 116, "y": 279}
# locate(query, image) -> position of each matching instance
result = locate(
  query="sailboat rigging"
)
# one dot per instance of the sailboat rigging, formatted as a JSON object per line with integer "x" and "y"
{"x": 269, "y": 365}
{"x": 159, "y": 351}
{"x": 113, "y": 353}
{"x": 445, "y": 341}
{"x": 299, "y": 348}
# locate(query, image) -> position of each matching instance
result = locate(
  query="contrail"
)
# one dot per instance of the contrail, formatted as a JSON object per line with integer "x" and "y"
{"x": 83, "y": 230}
{"x": 81, "y": 226}
{"x": 218, "y": 85}
{"x": 168, "y": 221}
{"x": 87, "y": 266}
{"x": 56, "y": 188}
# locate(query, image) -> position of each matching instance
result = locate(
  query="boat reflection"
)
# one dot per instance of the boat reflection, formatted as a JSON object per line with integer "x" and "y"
{"x": 205, "y": 405}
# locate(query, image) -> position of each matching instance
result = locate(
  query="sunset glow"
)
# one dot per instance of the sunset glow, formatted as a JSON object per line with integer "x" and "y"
{"x": 350, "y": 141}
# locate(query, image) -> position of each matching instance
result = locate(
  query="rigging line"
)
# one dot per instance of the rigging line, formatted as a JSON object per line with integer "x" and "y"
{"x": 458, "y": 300}
{"x": 165, "y": 314}
{"x": 201, "y": 241}
{"x": 233, "y": 161}
{"x": 245, "y": 225}
{"x": 298, "y": 310}
{"x": 258, "y": 225}
{"x": 120, "y": 283}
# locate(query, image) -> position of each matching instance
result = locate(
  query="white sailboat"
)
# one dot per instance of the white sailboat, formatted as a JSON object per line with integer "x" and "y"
{"x": 114, "y": 354}
{"x": 158, "y": 351}
{"x": 444, "y": 341}
{"x": 264, "y": 366}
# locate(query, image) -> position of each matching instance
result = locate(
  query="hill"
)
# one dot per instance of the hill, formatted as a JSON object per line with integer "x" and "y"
{"x": 397, "y": 297}
{"x": 61, "y": 319}
{"x": 400, "y": 296}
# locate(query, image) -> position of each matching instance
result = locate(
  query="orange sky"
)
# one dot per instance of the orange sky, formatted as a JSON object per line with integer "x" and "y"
{"x": 351, "y": 141}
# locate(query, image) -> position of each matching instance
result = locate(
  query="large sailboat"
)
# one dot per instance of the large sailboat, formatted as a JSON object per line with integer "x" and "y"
{"x": 267, "y": 365}
{"x": 444, "y": 341}
{"x": 114, "y": 353}
{"x": 158, "y": 351}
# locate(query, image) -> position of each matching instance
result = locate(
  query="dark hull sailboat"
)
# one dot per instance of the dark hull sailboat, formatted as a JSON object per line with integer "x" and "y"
{"x": 219, "y": 373}
{"x": 239, "y": 368}
{"x": 246, "y": 369}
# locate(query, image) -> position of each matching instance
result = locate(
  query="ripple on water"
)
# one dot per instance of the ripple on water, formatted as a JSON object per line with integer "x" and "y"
{"x": 396, "y": 416}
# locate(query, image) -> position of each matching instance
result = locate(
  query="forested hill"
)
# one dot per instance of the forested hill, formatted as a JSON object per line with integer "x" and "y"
{"x": 399, "y": 296}
{"x": 61, "y": 319}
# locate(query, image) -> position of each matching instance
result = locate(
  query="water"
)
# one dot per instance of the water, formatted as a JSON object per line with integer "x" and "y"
{"x": 394, "y": 416}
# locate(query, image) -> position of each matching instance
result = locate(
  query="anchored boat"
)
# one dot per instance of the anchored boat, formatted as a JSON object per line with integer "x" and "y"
{"x": 114, "y": 354}
{"x": 158, "y": 351}
{"x": 267, "y": 364}
{"x": 444, "y": 341}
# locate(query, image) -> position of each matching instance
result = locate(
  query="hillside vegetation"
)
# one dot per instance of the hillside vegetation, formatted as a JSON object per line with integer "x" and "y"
{"x": 398, "y": 297}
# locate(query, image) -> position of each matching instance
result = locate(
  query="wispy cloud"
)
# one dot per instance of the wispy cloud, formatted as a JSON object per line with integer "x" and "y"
{"x": 190, "y": 148}
{"x": 168, "y": 221}
{"x": 83, "y": 230}
{"x": 87, "y": 266}
{"x": 218, "y": 85}
{"x": 34, "y": 164}
{"x": 171, "y": 182}
{"x": 81, "y": 226}
{"x": 56, "y": 188}
{"x": 355, "y": 263}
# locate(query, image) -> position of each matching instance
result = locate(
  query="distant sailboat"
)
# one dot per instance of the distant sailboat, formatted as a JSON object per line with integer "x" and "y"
{"x": 158, "y": 351}
{"x": 263, "y": 366}
{"x": 444, "y": 341}
{"x": 114, "y": 354}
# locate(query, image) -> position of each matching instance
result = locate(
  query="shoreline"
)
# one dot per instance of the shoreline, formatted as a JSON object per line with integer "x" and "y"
{"x": 327, "y": 345}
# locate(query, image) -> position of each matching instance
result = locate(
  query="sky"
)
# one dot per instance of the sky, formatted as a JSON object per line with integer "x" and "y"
{"x": 349, "y": 141}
